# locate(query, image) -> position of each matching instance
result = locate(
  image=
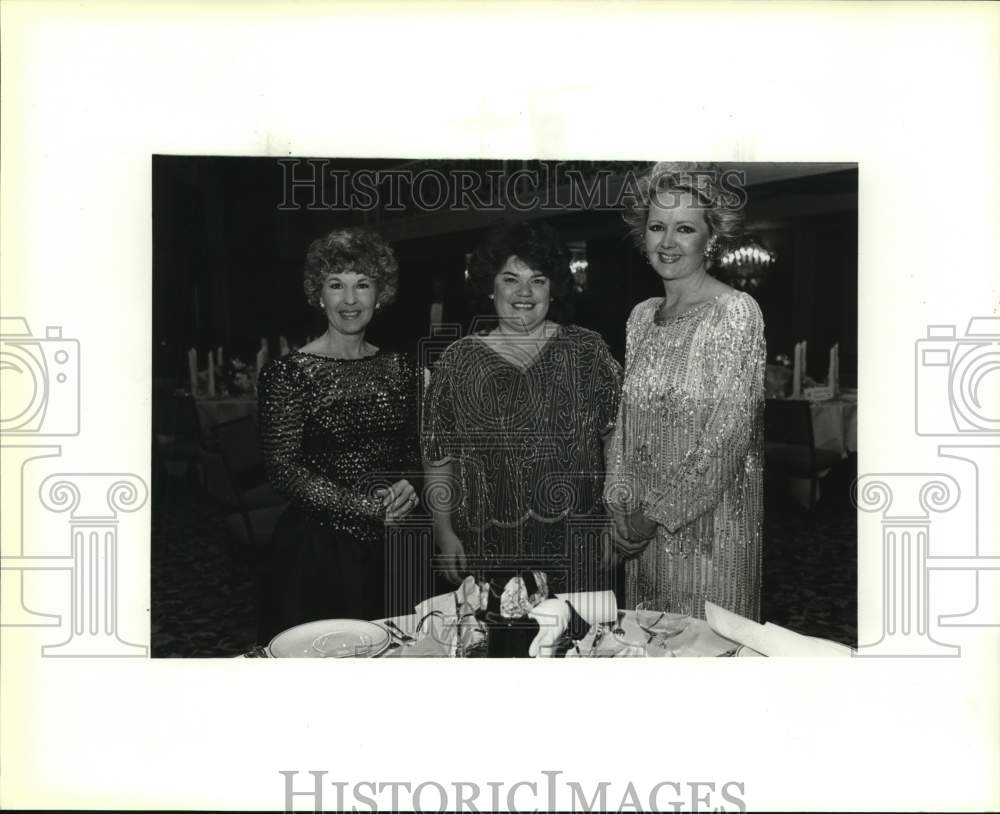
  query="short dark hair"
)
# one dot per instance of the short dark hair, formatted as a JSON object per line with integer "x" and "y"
{"x": 537, "y": 245}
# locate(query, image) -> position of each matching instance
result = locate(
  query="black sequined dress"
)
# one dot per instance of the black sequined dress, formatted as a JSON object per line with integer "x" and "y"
{"x": 332, "y": 432}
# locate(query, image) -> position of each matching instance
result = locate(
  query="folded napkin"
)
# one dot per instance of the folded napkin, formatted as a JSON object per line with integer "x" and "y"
{"x": 449, "y": 619}
{"x": 594, "y": 606}
{"x": 770, "y": 639}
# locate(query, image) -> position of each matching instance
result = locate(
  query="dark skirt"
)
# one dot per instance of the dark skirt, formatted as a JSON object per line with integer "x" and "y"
{"x": 315, "y": 572}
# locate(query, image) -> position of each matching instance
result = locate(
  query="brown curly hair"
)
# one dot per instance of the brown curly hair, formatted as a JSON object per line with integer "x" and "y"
{"x": 725, "y": 220}
{"x": 351, "y": 250}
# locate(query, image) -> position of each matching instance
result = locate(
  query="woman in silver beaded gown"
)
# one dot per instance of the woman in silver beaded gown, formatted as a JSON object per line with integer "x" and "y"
{"x": 338, "y": 423}
{"x": 686, "y": 493}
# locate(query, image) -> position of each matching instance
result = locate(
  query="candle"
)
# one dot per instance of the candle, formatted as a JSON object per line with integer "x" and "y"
{"x": 805, "y": 366}
{"x": 283, "y": 343}
{"x": 193, "y": 370}
{"x": 797, "y": 372}
{"x": 831, "y": 370}
{"x": 836, "y": 369}
{"x": 262, "y": 355}
{"x": 218, "y": 357}
{"x": 211, "y": 375}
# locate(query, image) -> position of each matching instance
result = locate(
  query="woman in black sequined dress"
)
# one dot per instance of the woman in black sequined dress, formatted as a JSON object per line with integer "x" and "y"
{"x": 338, "y": 422}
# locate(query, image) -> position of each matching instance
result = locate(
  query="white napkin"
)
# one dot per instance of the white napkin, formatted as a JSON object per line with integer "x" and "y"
{"x": 553, "y": 617}
{"x": 770, "y": 639}
{"x": 594, "y": 607}
{"x": 453, "y": 621}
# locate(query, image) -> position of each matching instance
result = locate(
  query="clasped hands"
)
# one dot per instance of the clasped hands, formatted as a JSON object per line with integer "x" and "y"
{"x": 632, "y": 529}
{"x": 399, "y": 500}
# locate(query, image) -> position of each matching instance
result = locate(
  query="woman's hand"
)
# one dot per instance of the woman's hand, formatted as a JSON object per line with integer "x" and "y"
{"x": 452, "y": 555}
{"x": 399, "y": 500}
{"x": 633, "y": 530}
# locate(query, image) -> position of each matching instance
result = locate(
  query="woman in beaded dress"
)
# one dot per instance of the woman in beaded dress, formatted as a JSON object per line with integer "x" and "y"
{"x": 515, "y": 424}
{"x": 338, "y": 423}
{"x": 686, "y": 493}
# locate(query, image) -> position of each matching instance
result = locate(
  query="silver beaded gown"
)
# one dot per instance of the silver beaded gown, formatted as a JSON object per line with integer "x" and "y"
{"x": 688, "y": 448}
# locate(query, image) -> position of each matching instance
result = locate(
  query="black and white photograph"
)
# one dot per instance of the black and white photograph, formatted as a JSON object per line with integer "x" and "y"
{"x": 484, "y": 408}
{"x": 492, "y": 406}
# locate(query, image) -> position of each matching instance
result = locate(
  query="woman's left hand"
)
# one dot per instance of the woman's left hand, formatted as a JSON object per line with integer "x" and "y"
{"x": 633, "y": 525}
{"x": 399, "y": 500}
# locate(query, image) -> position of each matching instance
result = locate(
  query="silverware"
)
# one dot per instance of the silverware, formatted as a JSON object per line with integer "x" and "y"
{"x": 598, "y": 636}
{"x": 732, "y": 652}
{"x": 398, "y": 632}
{"x": 425, "y": 617}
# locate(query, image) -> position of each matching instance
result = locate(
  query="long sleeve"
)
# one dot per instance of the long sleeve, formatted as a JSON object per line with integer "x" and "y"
{"x": 619, "y": 486}
{"x": 695, "y": 484}
{"x": 283, "y": 398}
{"x": 607, "y": 388}
{"x": 439, "y": 418}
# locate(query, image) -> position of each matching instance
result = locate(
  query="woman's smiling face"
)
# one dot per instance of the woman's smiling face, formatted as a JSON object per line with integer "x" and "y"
{"x": 676, "y": 235}
{"x": 349, "y": 301}
{"x": 521, "y": 295}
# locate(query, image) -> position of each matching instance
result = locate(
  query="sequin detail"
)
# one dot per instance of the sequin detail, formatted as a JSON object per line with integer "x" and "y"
{"x": 688, "y": 449}
{"x": 333, "y": 431}
{"x": 527, "y": 447}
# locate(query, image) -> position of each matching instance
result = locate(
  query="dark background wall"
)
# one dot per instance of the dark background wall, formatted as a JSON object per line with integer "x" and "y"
{"x": 227, "y": 262}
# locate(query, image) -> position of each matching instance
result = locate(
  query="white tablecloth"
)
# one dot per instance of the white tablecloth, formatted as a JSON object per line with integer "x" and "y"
{"x": 835, "y": 425}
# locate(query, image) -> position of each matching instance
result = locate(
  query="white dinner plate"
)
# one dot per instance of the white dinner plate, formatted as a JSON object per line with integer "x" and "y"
{"x": 329, "y": 638}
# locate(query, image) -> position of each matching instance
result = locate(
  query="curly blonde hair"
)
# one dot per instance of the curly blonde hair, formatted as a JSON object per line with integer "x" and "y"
{"x": 351, "y": 250}
{"x": 703, "y": 181}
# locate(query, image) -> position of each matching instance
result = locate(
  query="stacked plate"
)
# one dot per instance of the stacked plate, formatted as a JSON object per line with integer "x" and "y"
{"x": 330, "y": 639}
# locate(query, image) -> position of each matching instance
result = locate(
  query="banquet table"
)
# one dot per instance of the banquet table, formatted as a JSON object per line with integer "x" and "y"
{"x": 835, "y": 425}
{"x": 696, "y": 639}
{"x": 442, "y": 627}
{"x": 213, "y": 411}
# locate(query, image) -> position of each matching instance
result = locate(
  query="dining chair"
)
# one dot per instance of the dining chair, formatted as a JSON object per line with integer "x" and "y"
{"x": 251, "y": 525}
{"x": 177, "y": 433}
{"x": 239, "y": 444}
{"x": 790, "y": 446}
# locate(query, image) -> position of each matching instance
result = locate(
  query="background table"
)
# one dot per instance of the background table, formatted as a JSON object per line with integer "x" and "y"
{"x": 213, "y": 411}
{"x": 835, "y": 425}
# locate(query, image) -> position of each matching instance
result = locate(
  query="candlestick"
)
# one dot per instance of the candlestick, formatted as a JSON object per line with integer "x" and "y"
{"x": 193, "y": 370}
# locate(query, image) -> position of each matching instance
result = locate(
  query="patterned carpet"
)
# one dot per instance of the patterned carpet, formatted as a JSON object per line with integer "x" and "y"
{"x": 204, "y": 586}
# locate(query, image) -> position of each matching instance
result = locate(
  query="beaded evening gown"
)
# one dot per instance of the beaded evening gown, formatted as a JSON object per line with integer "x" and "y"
{"x": 332, "y": 432}
{"x": 526, "y": 444}
{"x": 688, "y": 447}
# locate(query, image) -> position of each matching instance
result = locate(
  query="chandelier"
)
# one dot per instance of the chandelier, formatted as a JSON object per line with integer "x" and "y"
{"x": 746, "y": 266}
{"x": 578, "y": 264}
